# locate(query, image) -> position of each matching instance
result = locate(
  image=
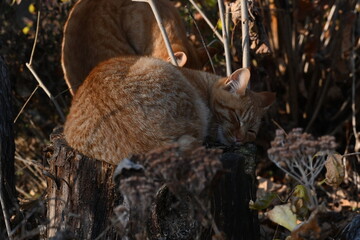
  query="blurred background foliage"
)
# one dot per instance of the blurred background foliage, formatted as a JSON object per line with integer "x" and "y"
{"x": 39, "y": 117}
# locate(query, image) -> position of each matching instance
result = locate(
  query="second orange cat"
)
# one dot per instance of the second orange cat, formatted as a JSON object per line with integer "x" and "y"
{"x": 97, "y": 30}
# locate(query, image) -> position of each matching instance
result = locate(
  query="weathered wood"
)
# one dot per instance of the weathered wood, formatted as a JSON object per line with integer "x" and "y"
{"x": 167, "y": 195}
{"x": 236, "y": 188}
{"x": 7, "y": 145}
{"x": 80, "y": 194}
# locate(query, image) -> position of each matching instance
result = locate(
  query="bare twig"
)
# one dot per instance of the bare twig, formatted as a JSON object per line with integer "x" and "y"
{"x": 245, "y": 34}
{"x": 35, "y": 39}
{"x": 162, "y": 29}
{"x": 225, "y": 37}
{"x": 278, "y": 125}
{"x": 27, "y": 101}
{"x": 2, "y": 201}
{"x": 227, "y": 19}
{"x": 213, "y": 28}
{"x": 25, "y": 219}
{"x": 41, "y": 84}
{"x": 202, "y": 40}
{"x": 351, "y": 154}
{"x": 353, "y": 92}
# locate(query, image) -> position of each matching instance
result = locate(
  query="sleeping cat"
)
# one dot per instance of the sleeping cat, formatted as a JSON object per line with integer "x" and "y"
{"x": 97, "y": 30}
{"x": 130, "y": 105}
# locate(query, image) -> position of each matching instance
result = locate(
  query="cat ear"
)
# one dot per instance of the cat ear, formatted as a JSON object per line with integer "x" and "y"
{"x": 265, "y": 99}
{"x": 180, "y": 58}
{"x": 237, "y": 82}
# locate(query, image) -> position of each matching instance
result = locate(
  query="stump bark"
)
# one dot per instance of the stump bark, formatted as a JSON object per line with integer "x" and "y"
{"x": 236, "y": 188}
{"x": 82, "y": 196}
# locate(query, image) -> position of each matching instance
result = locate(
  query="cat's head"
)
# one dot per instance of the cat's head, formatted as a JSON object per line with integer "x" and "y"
{"x": 238, "y": 110}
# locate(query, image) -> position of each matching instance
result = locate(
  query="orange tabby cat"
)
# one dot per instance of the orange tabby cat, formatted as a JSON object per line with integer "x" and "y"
{"x": 97, "y": 30}
{"x": 130, "y": 105}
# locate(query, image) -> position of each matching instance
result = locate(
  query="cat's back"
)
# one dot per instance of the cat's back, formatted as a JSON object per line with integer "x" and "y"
{"x": 131, "y": 105}
{"x": 134, "y": 77}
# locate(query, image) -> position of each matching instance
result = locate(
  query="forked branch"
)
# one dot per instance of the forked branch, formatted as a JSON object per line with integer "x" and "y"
{"x": 41, "y": 84}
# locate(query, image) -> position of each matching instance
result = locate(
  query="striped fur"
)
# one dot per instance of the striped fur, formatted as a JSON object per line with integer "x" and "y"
{"x": 130, "y": 105}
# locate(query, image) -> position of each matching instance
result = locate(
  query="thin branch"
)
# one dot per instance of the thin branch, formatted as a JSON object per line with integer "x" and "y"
{"x": 27, "y": 101}
{"x": 278, "y": 125}
{"x": 2, "y": 201}
{"x": 162, "y": 29}
{"x": 225, "y": 37}
{"x": 227, "y": 19}
{"x": 213, "y": 28}
{"x": 353, "y": 92}
{"x": 202, "y": 40}
{"x": 245, "y": 34}
{"x": 41, "y": 84}
{"x": 36, "y": 37}
{"x": 351, "y": 154}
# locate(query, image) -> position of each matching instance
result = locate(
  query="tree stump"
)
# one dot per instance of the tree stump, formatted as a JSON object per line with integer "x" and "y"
{"x": 80, "y": 195}
{"x": 164, "y": 195}
{"x": 236, "y": 188}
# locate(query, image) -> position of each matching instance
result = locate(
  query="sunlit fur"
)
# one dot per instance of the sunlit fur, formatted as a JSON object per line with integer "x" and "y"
{"x": 130, "y": 105}
{"x": 97, "y": 30}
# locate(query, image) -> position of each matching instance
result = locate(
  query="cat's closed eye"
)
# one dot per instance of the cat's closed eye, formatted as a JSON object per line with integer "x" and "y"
{"x": 251, "y": 131}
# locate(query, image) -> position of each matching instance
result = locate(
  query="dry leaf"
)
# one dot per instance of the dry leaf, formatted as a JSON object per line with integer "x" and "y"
{"x": 334, "y": 170}
{"x": 283, "y": 216}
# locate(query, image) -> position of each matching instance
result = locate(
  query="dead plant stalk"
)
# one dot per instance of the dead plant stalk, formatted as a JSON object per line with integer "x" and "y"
{"x": 225, "y": 37}
{"x": 245, "y": 33}
{"x": 41, "y": 84}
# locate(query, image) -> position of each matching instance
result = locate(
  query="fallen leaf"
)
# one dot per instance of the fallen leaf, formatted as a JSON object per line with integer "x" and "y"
{"x": 334, "y": 170}
{"x": 283, "y": 216}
